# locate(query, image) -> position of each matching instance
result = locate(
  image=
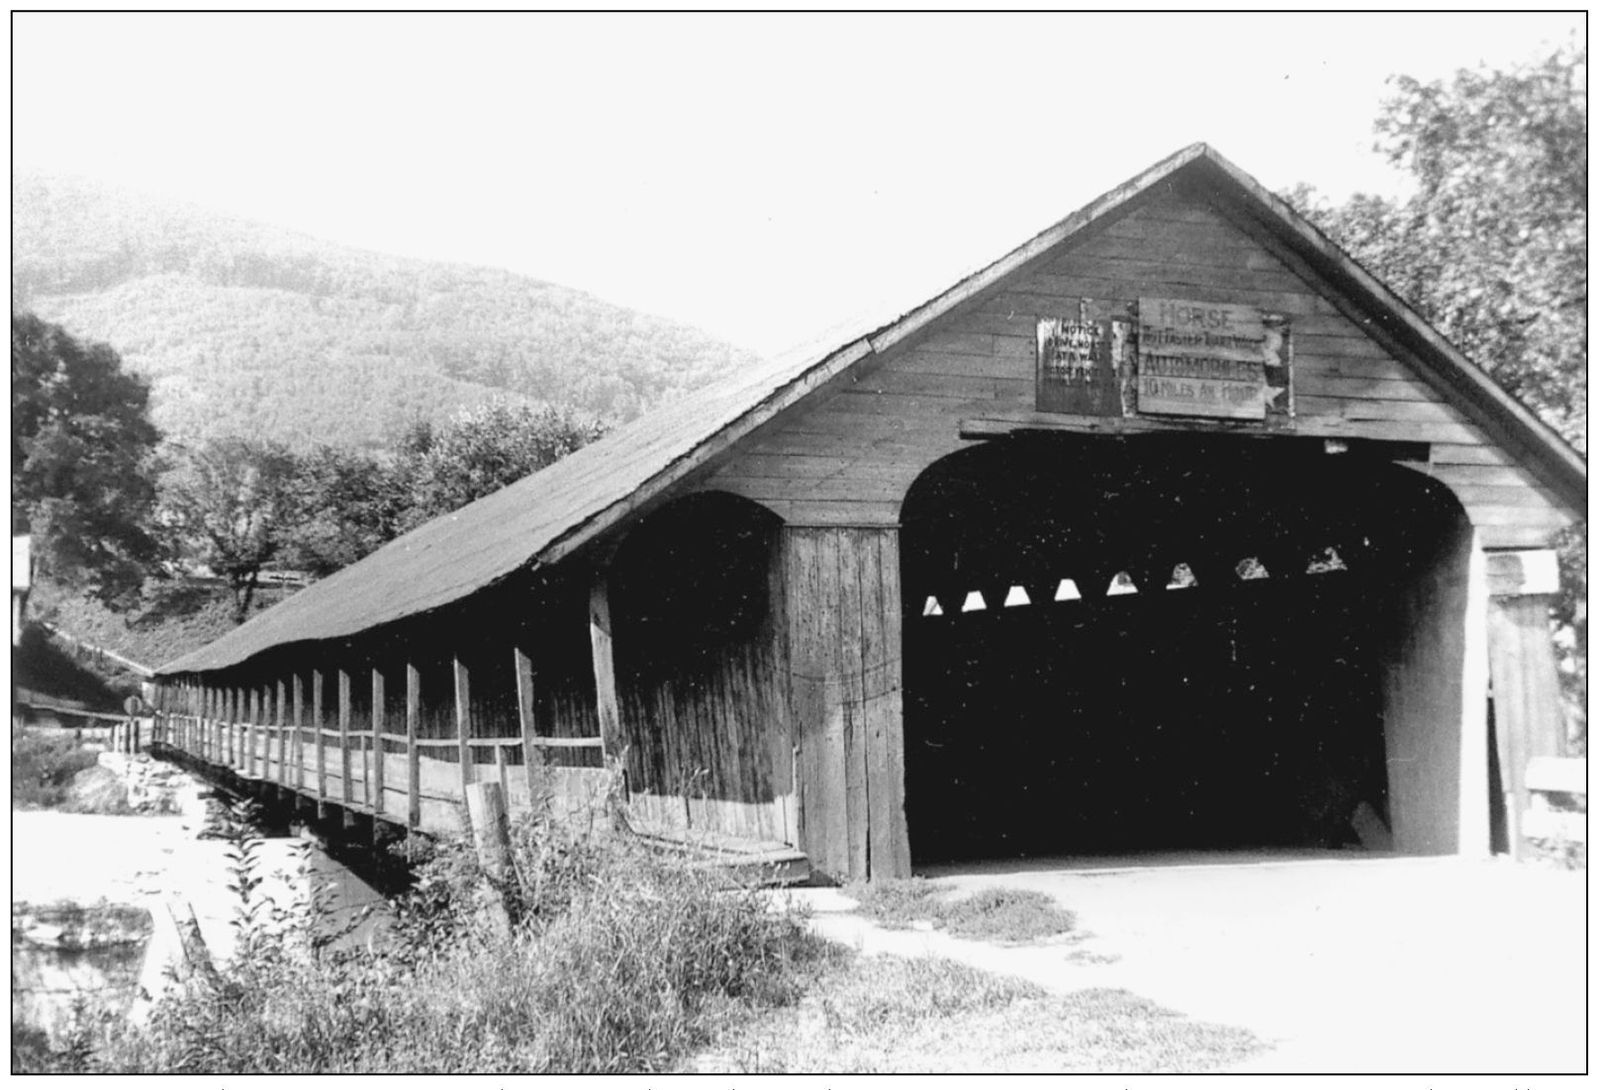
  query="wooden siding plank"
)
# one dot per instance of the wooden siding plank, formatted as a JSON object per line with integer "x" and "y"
{"x": 414, "y": 800}
{"x": 873, "y": 578}
{"x": 601, "y": 624}
{"x": 829, "y": 512}
{"x": 808, "y": 689}
{"x": 892, "y": 697}
{"x": 832, "y": 756}
{"x": 1501, "y": 475}
{"x": 1325, "y": 384}
{"x": 1016, "y": 359}
{"x": 783, "y": 760}
{"x": 1469, "y": 454}
{"x": 850, "y": 659}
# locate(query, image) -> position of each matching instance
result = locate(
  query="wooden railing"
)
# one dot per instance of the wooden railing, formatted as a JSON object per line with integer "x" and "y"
{"x": 269, "y": 735}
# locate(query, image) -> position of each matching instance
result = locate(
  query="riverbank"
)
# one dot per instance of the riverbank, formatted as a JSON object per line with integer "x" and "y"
{"x": 117, "y": 866}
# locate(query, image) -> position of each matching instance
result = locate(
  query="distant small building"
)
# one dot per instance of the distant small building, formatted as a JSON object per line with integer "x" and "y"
{"x": 1171, "y": 528}
{"x": 21, "y": 583}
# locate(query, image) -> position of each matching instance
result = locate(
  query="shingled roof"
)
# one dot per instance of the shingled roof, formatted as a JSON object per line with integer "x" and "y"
{"x": 547, "y": 515}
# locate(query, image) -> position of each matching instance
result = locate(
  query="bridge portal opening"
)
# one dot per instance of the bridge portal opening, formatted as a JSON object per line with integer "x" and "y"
{"x": 1178, "y": 643}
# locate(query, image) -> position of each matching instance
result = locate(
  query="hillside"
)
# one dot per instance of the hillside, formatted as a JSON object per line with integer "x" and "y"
{"x": 250, "y": 330}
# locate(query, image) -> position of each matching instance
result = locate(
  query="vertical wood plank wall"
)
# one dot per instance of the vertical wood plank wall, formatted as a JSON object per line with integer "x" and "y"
{"x": 705, "y": 724}
{"x": 845, "y": 617}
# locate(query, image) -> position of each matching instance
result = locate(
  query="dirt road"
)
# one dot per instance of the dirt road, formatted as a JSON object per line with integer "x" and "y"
{"x": 1343, "y": 964}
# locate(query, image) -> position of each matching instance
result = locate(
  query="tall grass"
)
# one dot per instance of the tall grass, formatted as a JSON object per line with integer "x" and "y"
{"x": 619, "y": 960}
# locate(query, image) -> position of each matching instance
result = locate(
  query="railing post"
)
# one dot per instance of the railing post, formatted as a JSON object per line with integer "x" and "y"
{"x": 526, "y": 698}
{"x": 254, "y": 717}
{"x": 465, "y": 755}
{"x": 280, "y": 731}
{"x": 298, "y": 719}
{"x": 232, "y": 703}
{"x": 414, "y": 800}
{"x": 343, "y": 710}
{"x": 375, "y": 781}
{"x": 317, "y": 734}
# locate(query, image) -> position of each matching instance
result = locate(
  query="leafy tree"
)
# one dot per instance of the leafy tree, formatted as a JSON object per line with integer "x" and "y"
{"x": 352, "y": 503}
{"x": 83, "y": 466}
{"x": 481, "y": 450}
{"x": 1491, "y": 245}
{"x": 231, "y": 506}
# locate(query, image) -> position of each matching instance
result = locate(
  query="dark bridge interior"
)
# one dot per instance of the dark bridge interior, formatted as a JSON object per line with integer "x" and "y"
{"x": 1151, "y": 643}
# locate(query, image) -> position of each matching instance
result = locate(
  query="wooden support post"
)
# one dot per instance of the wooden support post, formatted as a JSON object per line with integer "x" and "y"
{"x": 1527, "y": 697}
{"x": 465, "y": 754}
{"x": 1522, "y": 673}
{"x": 298, "y": 720}
{"x": 265, "y": 733}
{"x": 526, "y": 696}
{"x": 501, "y": 767}
{"x": 344, "y": 711}
{"x": 196, "y": 961}
{"x": 844, "y": 639}
{"x": 374, "y": 782}
{"x": 283, "y": 733}
{"x": 602, "y": 667}
{"x": 252, "y": 732}
{"x": 318, "y": 722}
{"x": 414, "y": 807}
{"x": 487, "y": 813}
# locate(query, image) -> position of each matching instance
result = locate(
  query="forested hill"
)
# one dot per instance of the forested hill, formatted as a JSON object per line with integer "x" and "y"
{"x": 253, "y": 331}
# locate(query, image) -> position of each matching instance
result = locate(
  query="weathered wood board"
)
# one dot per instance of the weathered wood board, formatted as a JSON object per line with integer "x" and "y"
{"x": 848, "y": 459}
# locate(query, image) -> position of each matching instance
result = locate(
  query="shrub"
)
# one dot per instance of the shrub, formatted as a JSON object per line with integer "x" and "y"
{"x": 43, "y": 767}
{"x": 618, "y": 960}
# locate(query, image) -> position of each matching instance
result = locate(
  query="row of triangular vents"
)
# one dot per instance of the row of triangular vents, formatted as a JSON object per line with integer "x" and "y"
{"x": 1182, "y": 578}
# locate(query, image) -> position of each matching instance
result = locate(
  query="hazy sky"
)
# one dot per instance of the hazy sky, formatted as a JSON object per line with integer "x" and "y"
{"x": 765, "y": 177}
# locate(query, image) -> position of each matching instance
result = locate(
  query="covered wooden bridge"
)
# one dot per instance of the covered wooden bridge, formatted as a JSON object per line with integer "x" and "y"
{"x": 1171, "y": 528}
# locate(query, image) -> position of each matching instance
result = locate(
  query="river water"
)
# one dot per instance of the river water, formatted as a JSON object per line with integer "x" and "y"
{"x": 94, "y": 896}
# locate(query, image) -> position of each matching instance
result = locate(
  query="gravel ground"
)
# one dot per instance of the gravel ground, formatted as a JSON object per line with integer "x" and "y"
{"x": 1343, "y": 964}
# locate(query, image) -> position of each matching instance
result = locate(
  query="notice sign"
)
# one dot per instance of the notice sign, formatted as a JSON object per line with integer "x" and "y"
{"x": 1210, "y": 359}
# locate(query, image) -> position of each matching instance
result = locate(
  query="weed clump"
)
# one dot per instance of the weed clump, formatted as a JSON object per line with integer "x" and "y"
{"x": 997, "y": 915}
{"x": 616, "y": 959}
{"x": 42, "y": 768}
